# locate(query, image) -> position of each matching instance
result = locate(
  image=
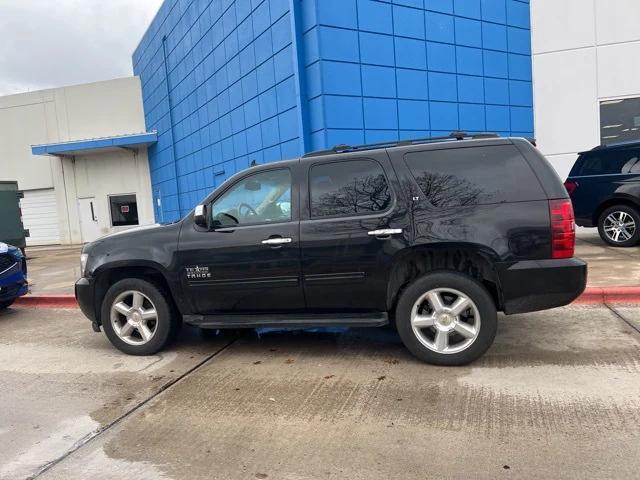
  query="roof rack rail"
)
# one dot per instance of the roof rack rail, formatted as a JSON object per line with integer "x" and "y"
{"x": 453, "y": 136}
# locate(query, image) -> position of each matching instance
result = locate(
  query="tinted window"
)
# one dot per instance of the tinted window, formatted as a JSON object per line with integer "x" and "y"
{"x": 607, "y": 163}
{"x": 357, "y": 187}
{"x": 124, "y": 210}
{"x": 261, "y": 198}
{"x": 619, "y": 120}
{"x": 473, "y": 176}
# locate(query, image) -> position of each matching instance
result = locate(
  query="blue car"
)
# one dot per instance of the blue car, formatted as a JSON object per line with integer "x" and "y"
{"x": 13, "y": 275}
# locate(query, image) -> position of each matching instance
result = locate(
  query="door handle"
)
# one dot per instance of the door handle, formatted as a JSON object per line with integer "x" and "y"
{"x": 385, "y": 232}
{"x": 276, "y": 241}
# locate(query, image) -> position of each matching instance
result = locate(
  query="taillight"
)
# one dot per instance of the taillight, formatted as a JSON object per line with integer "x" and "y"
{"x": 563, "y": 230}
{"x": 571, "y": 186}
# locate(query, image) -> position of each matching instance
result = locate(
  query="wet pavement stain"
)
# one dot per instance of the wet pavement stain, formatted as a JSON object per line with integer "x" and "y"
{"x": 546, "y": 401}
{"x": 235, "y": 418}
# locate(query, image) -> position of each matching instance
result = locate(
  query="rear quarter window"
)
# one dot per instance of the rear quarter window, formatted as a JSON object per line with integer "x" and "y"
{"x": 607, "y": 163}
{"x": 474, "y": 176}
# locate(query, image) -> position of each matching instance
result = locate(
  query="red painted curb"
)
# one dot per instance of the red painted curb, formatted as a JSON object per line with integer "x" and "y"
{"x": 591, "y": 296}
{"x": 595, "y": 295}
{"x": 47, "y": 301}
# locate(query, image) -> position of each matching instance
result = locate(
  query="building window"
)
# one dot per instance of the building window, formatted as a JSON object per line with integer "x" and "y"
{"x": 619, "y": 120}
{"x": 124, "y": 210}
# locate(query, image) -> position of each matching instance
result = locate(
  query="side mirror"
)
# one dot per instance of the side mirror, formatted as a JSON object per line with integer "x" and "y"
{"x": 200, "y": 216}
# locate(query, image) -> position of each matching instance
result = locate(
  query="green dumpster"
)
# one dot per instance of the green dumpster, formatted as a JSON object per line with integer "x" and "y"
{"x": 11, "y": 229}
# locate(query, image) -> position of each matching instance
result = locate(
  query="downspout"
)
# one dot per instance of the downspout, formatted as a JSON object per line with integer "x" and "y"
{"x": 171, "y": 128}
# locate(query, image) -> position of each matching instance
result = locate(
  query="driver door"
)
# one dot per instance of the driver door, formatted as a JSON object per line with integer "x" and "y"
{"x": 249, "y": 260}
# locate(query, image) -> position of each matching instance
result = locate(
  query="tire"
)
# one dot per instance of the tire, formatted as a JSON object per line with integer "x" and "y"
{"x": 478, "y": 320}
{"x": 6, "y": 303}
{"x": 164, "y": 329}
{"x": 630, "y": 232}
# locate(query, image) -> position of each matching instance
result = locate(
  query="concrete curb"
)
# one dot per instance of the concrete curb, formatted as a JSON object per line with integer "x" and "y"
{"x": 46, "y": 301}
{"x": 591, "y": 296}
{"x": 595, "y": 295}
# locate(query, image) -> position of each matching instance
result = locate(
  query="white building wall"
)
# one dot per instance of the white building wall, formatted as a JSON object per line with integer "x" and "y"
{"x": 584, "y": 52}
{"x": 79, "y": 112}
{"x": 116, "y": 172}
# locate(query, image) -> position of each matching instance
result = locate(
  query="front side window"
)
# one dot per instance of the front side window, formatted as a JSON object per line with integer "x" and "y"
{"x": 124, "y": 210}
{"x": 261, "y": 198}
{"x": 356, "y": 187}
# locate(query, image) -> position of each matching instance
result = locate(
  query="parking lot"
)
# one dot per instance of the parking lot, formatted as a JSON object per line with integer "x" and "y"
{"x": 556, "y": 396}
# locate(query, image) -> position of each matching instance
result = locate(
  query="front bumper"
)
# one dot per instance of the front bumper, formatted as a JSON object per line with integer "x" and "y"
{"x": 85, "y": 293}
{"x": 12, "y": 291}
{"x": 533, "y": 285}
{"x": 13, "y": 282}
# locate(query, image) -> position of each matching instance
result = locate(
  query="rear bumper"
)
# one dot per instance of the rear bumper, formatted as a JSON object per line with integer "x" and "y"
{"x": 533, "y": 285}
{"x": 584, "y": 222}
{"x": 84, "y": 291}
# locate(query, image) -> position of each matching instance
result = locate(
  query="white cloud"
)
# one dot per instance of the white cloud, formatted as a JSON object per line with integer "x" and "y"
{"x": 52, "y": 43}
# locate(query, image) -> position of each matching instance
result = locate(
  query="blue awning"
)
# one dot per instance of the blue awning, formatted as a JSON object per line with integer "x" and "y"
{"x": 93, "y": 145}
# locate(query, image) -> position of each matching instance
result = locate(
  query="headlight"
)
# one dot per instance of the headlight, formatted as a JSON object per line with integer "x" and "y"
{"x": 83, "y": 263}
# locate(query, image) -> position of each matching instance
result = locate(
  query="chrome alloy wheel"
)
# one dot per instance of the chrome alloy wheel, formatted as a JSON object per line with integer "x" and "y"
{"x": 445, "y": 320}
{"x": 134, "y": 317}
{"x": 619, "y": 226}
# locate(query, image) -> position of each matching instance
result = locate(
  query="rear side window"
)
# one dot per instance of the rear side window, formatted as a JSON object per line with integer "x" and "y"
{"x": 474, "y": 176}
{"x": 356, "y": 187}
{"x": 608, "y": 163}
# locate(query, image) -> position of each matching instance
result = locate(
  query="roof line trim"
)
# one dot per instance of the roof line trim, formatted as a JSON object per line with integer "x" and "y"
{"x": 128, "y": 140}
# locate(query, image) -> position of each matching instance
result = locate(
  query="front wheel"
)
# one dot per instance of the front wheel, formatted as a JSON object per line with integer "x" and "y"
{"x": 619, "y": 226}
{"x": 138, "y": 318}
{"x": 446, "y": 318}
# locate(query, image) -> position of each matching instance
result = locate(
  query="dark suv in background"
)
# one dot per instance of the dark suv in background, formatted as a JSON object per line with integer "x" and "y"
{"x": 604, "y": 185}
{"x": 434, "y": 235}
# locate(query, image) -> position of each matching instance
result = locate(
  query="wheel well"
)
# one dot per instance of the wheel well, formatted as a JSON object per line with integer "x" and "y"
{"x": 610, "y": 203}
{"x": 419, "y": 261}
{"x": 105, "y": 279}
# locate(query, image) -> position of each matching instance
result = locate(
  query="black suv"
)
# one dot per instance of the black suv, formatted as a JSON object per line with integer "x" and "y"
{"x": 604, "y": 185}
{"x": 433, "y": 235}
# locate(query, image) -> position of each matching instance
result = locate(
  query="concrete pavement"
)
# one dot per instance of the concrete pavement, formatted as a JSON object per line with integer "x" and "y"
{"x": 557, "y": 396}
{"x": 61, "y": 384}
{"x": 53, "y": 271}
{"x": 608, "y": 266}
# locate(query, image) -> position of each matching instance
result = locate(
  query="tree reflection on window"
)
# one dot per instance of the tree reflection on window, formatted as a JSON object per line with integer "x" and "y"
{"x": 447, "y": 190}
{"x": 348, "y": 188}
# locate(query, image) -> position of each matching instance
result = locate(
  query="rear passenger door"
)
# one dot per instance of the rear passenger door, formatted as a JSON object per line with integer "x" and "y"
{"x": 351, "y": 226}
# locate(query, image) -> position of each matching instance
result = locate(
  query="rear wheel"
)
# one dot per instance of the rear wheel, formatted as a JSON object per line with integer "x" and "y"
{"x": 619, "y": 226}
{"x": 446, "y": 318}
{"x": 137, "y": 317}
{"x": 6, "y": 303}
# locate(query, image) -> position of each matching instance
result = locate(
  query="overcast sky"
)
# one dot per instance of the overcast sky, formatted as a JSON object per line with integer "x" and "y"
{"x": 51, "y": 43}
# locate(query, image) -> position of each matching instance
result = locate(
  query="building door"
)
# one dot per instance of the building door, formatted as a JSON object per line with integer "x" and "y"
{"x": 40, "y": 217}
{"x": 88, "y": 219}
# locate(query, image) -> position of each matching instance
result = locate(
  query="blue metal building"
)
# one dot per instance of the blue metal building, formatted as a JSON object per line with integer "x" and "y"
{"x": 226, "y": 82}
